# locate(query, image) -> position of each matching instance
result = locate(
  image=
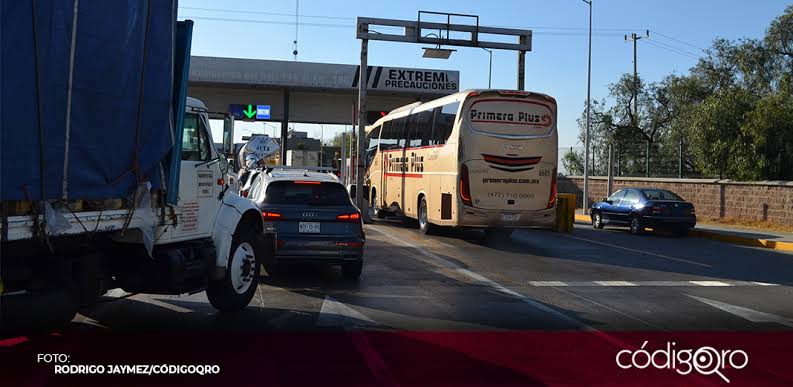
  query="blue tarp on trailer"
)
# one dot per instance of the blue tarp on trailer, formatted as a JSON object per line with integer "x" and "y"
{"x": 117, "y": 126}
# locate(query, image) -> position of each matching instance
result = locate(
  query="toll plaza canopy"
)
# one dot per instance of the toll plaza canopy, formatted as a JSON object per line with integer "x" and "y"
{"x": 310, "y": 92}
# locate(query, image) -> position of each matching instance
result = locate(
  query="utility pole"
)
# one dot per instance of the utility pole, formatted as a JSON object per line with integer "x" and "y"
{"x": 321, "y": 144}
{"x": 490, "y": 68}
{"x": 635, "y": 38}
{"x": 585, "y": 203}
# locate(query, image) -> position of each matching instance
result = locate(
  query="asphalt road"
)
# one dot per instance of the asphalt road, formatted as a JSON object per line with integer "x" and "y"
{"x": 603, "y": 280}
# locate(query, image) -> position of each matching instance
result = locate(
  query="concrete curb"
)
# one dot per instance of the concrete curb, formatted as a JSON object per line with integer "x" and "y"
{"x": 739, "y": 240}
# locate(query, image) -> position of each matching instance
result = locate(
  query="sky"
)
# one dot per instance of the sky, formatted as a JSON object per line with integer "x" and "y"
{"x": 557, "y": 65}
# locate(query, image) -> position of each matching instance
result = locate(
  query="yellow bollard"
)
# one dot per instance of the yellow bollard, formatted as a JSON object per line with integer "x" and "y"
{"x": 565, "y": 213}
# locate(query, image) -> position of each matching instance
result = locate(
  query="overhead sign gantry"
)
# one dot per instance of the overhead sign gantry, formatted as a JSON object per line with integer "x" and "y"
{"x": 427, "y": 32}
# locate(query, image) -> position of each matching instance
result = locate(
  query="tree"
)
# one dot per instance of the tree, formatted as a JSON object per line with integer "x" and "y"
{"x": 733, "y": 112}
{"x": 573, "y": 162}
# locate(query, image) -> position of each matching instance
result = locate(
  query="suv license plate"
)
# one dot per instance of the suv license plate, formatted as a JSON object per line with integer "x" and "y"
{"x": 308, "y": 227}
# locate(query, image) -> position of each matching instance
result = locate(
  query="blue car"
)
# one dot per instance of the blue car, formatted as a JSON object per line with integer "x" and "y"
{"x": 314, "y": 217}
{"x": 641, "y": 208}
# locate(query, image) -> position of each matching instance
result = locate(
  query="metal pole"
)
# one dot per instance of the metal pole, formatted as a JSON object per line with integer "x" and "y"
{"x": 611, "y": 170}
{"x": 343, "y": 158}
{"x": 585, "y": 203}
{"x": 521, "y": 69}
{"x": 680, "y": 159}
{"x": 284, "y": 126}
{"x": 647, "y": 161}
{"x": 490, "y": 69}
{"x": 321, "y": 145}
{"x": 359, "y": 160}
{"x": 635, "y": 84}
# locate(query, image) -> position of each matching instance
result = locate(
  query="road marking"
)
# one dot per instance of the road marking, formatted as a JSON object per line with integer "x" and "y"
{"x": 638, "y": 251}
{"x": 615, "y": 283}
{"x": 547, "y": 283}
{"x": 336, "y": 314}
{"x": 702, "y": 283}
{"x": 746, "y": 313}
{"x": 486, "y": 281}
{"x": 710, "y": 283}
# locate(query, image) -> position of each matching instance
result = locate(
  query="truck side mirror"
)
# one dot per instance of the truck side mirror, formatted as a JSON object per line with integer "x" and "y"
{"x": 228, "y": 135}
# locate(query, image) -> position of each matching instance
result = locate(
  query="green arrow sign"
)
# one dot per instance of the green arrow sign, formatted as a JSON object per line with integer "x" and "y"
{"x": 250, "y": 112}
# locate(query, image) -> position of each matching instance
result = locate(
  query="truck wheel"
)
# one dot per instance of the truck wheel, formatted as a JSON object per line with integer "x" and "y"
{"x": 237, "y": 287}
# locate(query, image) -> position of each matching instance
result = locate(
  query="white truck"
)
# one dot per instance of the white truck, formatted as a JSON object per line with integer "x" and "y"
{"x": 181, "y": 232}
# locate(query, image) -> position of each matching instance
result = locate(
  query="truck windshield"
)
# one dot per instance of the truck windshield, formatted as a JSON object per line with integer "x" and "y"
{"x": 310, "y": 193}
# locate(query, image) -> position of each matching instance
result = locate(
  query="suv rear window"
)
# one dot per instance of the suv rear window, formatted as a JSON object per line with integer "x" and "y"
{"x": 307, "y": 193}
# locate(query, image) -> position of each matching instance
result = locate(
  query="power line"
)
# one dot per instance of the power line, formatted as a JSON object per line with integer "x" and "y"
{"x": 678, "y": 40}
{"x": 270, "y": 22}
{"x": 672, "y": 49}
{"x": 266, "y": 13}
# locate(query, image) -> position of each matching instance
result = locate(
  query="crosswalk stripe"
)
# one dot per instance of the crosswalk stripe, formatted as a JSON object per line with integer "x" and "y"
{"x": 710, "y": 283}
{"x": 701, "y": 283}
{"x": 615, "y": 283}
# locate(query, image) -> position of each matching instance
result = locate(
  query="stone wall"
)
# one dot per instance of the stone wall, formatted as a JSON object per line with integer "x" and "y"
{"x": 770, "y": 201}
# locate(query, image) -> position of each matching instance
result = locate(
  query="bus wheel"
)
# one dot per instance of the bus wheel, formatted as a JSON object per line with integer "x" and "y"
{"x": 425, "y": 226}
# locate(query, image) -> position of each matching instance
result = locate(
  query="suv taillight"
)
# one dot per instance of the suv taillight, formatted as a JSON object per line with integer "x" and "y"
{"x": 465, "y": 187}
{"x": 355, "y": 217}
{"x": 266, "y": 215}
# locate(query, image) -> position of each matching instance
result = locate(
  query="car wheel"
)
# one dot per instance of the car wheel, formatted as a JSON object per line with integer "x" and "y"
{"x": 425, "y": 226}
{"x": 637, "y": 226}
{"x": 238, "y": 286}
{"x": 597, "y": 220}
{"x": 352, "y": 270}
{"x": 681, "y": 232}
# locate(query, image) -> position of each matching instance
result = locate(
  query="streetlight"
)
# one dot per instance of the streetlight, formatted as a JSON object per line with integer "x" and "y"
{"x": 588, "y": 108}
{"x": 490, "y": 69}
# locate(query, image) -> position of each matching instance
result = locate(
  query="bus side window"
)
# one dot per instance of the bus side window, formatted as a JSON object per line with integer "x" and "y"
{"x": 424, "y": 128}
{"x": 413, "y": 133}
{"x": 444, "y": 123}
{"x": 373, "y": 140}
{"x": 400, "y": 130}
{"x": 387, "y": 139}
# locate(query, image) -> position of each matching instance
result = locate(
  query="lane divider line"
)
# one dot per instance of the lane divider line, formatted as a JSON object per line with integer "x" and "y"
{"x": 618, "y": 343}
{"x": 702, "y": 283}
{"x": 717, "y": 236}
{"x": 486, "y": 281}
{"x": 638, "y": 251}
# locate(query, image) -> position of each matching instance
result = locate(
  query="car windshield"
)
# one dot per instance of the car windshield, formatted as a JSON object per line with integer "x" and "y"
{"x": 312, "y": 193}
{"x": 660, "y": 194}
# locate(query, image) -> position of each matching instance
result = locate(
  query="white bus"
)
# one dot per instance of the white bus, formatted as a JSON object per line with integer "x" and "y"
{"x": 477, "y": 158}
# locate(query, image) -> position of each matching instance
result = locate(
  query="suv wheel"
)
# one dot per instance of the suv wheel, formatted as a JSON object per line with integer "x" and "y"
{"x": 352, "y": 270}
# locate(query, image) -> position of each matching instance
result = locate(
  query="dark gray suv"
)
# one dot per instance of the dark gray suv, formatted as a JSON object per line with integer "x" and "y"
{"x": 314, "y": 217}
